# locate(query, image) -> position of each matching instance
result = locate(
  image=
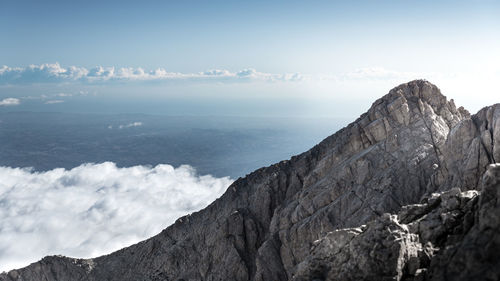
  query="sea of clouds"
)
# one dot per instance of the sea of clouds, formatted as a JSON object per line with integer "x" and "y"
{"x": 93, "y": 209}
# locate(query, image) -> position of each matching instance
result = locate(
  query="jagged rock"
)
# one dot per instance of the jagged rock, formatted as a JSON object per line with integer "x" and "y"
{"x": 472, "y": 251}
{"x": 325, "y": 214}
{"x": 380, "y": 252}
{"x": 392, "y": 247}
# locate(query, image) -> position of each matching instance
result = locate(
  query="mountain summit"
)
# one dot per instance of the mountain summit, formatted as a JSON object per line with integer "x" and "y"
{"x": 408, "y": 191}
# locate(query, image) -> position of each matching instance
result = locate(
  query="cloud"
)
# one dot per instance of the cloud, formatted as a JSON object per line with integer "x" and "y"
{"x": 93, "y": 209}
{"x": 40, "y": 73}
{"x": 9, "y": 102}
{"x": 55, "y": 96}
{"x": 133, "y": 124}
{"x": 129, "y": 125}
{"x": 55, "y": 73}
{"x": 54, "y": 101}
{"x": 63, "y": 95}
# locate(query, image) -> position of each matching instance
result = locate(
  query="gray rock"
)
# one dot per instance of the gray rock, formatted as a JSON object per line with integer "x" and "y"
{"x": 326, "y": 213}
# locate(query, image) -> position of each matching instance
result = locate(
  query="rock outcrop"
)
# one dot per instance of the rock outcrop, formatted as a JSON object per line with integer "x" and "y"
{"x": 399, "y": 194}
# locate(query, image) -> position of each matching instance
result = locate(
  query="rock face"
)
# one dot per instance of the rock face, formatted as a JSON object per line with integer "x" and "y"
{"x": 399, "y": 194}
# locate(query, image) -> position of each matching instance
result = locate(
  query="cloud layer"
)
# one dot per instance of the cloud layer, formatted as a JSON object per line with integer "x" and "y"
{"x": 55, "y": 73}
{"x": 93, "y": 209}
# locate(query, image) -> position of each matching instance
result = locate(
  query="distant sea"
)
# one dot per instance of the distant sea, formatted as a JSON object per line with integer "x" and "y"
{"x": 220, "y": 146}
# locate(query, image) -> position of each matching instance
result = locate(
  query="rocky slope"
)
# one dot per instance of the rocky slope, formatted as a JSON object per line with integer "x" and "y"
{"x": 399, "y": 194}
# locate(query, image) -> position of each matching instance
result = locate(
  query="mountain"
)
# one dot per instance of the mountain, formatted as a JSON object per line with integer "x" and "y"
{"x": 408, "y": 191}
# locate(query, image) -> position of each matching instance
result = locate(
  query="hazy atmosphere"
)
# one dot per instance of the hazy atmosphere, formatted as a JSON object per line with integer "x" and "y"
{"x": 118, "y": 117}
{"x": 285, "y": 58}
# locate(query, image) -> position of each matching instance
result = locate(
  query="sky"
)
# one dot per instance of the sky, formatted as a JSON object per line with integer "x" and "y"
{"x": 249, "y": 58}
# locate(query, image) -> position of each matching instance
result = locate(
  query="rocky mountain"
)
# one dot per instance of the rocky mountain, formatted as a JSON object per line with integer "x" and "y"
{"x": 408, "y": 191}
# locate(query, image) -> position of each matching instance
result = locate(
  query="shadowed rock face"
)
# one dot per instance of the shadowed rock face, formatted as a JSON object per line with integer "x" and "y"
{"x": 326, "y": 214}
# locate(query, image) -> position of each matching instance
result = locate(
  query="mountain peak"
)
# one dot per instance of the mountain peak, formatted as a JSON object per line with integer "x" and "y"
{"x": 426, "y": 92}
{"x": 411, "y": 102}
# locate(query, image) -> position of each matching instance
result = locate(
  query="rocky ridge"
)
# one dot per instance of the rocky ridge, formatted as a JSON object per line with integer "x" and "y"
{"x": 399, "y": 194}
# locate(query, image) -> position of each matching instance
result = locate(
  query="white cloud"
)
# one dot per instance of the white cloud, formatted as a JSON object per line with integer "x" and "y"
{"x": 133, "y": 124}
{"x": 63, "y": 95}
{"x": 41, "y": 73}
{"x": 55, "y": 96}
{"x": 93, "y": 209}
{"x": 54, "y": 101}
{"x": 9, "y": 102}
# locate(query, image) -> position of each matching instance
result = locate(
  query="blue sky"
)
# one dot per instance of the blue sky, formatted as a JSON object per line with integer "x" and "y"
{"x": 455, "y": 44}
